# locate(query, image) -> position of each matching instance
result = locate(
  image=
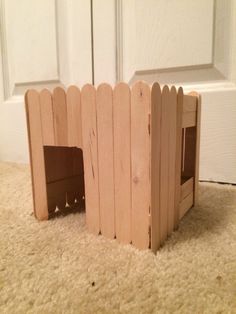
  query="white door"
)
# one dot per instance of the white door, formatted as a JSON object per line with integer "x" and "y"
{"x": 43, "y": 43}
{"x": 189, "y": 43}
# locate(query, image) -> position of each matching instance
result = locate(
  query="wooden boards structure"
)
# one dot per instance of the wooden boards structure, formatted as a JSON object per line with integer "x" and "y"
{"x": 131, "y": 152}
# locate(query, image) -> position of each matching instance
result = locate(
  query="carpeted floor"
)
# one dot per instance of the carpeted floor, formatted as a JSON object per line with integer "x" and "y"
{"x": 58, "y": 267}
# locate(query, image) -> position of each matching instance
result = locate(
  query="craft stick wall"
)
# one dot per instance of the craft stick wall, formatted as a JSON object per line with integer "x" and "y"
{"x": 131, "y": 152}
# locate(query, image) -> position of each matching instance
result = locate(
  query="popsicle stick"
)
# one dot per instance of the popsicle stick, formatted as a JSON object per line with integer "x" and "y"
{"x": 78, "y": 172}
{"x": 155, "y": 165}
{"x": 198, "y": 131}
{"x": 61, "y": 137}
{"x": 74, "y": 117}
{"x": 178, "y": 154}
{"x": 164, "y": 175}
{"x": 47, "y": 117}
{"x": 185, "y": 205}
{"x": 189, "y": 103}
{"x": 60, "y": 117}
{"x": 189, "y": 119}
{"x": 106, "y": 159}
{"x": 36, "y": 154}
{"x": 122, "y": 162}
{"x": 74, "y": 136}
{"x": 140, "y": 163}
{"x": 48, "y": 137}
{"x": 186, "y": 188}
{"x": 90, "y": 152}
{"x": 172, "y": 154}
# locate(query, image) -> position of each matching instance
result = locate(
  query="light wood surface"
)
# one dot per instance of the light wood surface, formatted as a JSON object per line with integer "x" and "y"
{"x": 122, "y": 162}
{"x": 178, "y": 154}
{"x": 60, "y": 116}
{"x": 140, "y": 161}
{"x": 189, "y": 103}
{"x": 189, "y": 119}
{"x": 46, "y": 111}
{"x": 198, "y": 132}
{"x": 186, "y": 188}
{"x": 164, "y": 175}
{"x": 36, "y": 154}
{"x": 74, "y": 116}
{"x": 74, "y": 139}
{"x": 172, "y": 157}
{"x": 106, "y": 159}
{"x": 185, "y": 205}
{"x": 90, "y": 152}
{"x": 155, "y": 165}
{"x": 47, "y": 123}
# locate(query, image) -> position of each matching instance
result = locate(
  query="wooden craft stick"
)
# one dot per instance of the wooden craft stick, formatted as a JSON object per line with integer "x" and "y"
{"x": 74, "y": 117}
{"x": 35, "y": 136}
{"x": 90, "y": 153}
{"x": 178, "y": 154}
{"x": 198, "y": 132}
{"x": 172, "y": 154}
{"x": 140, "y": 163}
{"x": 60, "y": 117}
{"x": 47, "y": 117}
{"x": 106, "y": 159}
{"x": 155, "y": 165}
{"x": 122, "y": 162}
{"x": 164, "y": 175}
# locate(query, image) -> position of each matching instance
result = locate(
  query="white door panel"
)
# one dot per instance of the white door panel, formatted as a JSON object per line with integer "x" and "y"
{"x": 218, "y": 136}
{"x": 192, "y": 44}
{"x": 172, "y": 33}
{"x": 43, "y": 44}
{"x": 30, "y": 41}
{"x": 104, "y": 41}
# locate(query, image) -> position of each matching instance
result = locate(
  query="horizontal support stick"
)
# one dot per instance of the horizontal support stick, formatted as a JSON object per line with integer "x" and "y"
{"x": 185, "y": 205}
{"x": 189, "y": 119}
{"x": 186, "y": 188}
{"x": 189, "y": 103}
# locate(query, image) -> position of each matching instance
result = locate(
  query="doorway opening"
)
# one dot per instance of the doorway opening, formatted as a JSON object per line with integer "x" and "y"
{"x": 64, "y": 180}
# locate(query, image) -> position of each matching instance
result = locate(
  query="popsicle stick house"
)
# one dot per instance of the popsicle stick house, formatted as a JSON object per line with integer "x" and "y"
{"x": 132, "y": 153}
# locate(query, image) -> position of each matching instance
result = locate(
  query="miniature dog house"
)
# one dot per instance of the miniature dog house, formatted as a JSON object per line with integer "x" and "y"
{"x": 132, "y": 153}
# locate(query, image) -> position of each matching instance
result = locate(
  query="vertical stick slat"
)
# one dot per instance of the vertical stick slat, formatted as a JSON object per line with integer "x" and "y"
{"x": 60, "y": 117}
{"x": 74, "y": 117}
{"x": 155, "y": 165}
{"x": 140, "y": 163}
{"x": 198, "y": 130}
{"x": 47, "y": 122}
{"x": 90, "y": 153}
{"x": 172, "y": 154}
{"x": 47, "y": 117}
{"x": 36, "y": 154}
{"x": 164, "y": 175}
{"x": 122, "y": 162}
{"x": 106, "y": 159}
{"x": 74, "y": 137}
{"x": 178, "y": 154}
{"x": 61, "y": 138}
{"x": 78, "y": 171}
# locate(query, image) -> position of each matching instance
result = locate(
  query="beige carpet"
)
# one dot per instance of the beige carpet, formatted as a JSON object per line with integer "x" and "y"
{"x": 58, "y": 267}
